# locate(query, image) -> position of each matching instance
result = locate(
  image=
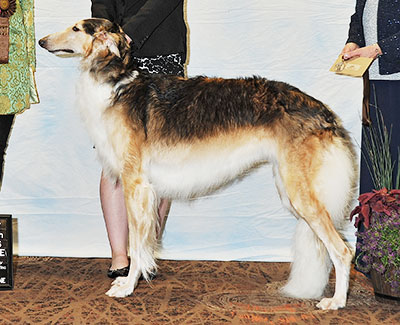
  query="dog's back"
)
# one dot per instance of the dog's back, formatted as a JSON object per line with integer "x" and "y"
{"x": 200, "y": 107}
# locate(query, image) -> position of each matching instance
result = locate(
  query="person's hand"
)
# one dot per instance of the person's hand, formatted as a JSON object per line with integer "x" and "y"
{"x": 349, "y": 47}
{"x": 370, "y": 51}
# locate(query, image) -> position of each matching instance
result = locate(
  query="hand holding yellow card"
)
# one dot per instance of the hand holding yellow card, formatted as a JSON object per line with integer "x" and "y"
{"x": 354, "y": 67}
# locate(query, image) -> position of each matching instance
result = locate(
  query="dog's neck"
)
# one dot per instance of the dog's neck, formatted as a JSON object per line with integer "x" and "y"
{"x": 106, "y": 66}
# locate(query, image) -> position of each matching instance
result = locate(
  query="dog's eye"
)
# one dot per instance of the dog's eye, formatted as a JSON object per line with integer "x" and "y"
{"x": 75, "y": 29}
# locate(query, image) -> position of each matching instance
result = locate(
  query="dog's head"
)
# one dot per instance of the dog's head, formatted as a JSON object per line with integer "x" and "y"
{"x": 88, "y": 37}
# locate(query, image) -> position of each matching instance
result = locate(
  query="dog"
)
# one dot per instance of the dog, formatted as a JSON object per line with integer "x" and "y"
{"x": 177, "y": 138}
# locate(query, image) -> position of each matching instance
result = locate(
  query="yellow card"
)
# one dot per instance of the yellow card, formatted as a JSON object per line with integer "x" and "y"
{"x": 354, "y": 67}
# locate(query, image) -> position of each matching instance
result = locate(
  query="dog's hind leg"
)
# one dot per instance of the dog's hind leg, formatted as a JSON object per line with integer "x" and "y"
{"x": 141, "y": 203}
{"x": 313, "y": 180}
{"x": 339, "y": 253}
{"x": 311, "y": 263}
{"x": 336, "y": 188}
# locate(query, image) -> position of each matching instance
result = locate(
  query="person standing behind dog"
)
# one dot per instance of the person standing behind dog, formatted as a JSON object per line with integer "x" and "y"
{"x": 375, "y": 33}
{"x": 17, "y": 65}
{"x": 156, "y": 30}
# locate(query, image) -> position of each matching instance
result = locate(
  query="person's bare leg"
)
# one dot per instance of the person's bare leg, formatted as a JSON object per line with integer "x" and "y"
{"x": 115, "y": 217}
{"x": 163, "y": 210}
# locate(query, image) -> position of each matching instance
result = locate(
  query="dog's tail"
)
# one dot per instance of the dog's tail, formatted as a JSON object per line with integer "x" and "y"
{"x": 310, "y": 267}
{"x": 333, "y": 188}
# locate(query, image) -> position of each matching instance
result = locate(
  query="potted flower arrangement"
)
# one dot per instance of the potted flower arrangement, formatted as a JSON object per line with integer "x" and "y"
{"x": 379, "y": 211}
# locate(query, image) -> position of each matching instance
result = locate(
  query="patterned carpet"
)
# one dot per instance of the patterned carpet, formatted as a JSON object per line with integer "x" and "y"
{"x": 71, "y": 291}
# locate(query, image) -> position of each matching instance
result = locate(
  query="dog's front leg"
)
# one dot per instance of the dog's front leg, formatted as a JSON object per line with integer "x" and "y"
{"x": 141, "y": 203}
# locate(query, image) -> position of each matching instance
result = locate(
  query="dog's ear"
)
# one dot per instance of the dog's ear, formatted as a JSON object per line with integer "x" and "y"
{"x": 115, "y": 28}
{"x": 107, "y": 40}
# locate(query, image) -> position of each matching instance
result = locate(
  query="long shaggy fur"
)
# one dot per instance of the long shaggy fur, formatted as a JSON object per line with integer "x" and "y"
{"x": 166, "y": 136}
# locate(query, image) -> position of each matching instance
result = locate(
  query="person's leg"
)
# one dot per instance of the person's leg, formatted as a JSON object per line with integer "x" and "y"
{"x": 163, "y": 210}
{"x": 389, "y": 100}
{"x": 6, "y": 122}
{"x": 384, "y": 99}
{"x": 115, "y": 217}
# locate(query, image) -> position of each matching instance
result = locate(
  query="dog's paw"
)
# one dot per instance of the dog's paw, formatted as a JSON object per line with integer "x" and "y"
{"x": 331, "y": 303}
{"x": 121, "y": 287}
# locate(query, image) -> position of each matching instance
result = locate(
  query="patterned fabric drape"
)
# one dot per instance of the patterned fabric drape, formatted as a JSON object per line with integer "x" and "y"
{"x": 17, "y": 85}
{"x": 7, "y": 9}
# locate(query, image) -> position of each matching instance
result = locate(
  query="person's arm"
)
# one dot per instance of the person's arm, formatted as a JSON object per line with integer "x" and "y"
{"x": 390, "y": 47}
{"x": 355, "y": 44}
{"x": 105, "y": 9}
{"x": 140, "y": 26}
{"x": 387, "y": 47}
{"x": 27, "y": 7}
{"x": 356, "y": 33}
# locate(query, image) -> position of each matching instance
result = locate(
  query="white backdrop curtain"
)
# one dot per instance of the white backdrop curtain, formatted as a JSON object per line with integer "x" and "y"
{"x": 51, "y": 175}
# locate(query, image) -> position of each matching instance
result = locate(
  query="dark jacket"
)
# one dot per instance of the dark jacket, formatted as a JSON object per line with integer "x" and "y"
{"x": 156, "y": 27}
{"x": 388, "y": 33}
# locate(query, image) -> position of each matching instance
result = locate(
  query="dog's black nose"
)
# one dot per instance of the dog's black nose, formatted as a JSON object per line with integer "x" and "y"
{"x": 42, "y": 42}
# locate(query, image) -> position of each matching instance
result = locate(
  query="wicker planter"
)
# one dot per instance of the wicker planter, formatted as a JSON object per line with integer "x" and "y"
{"x": 383, "y": 291}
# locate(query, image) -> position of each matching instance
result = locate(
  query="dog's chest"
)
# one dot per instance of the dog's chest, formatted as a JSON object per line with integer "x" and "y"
{"x": 93, "y": 99}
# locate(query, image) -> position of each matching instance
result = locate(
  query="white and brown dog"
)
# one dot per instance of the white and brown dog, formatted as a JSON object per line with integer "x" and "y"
{"x": 166, "y": 136}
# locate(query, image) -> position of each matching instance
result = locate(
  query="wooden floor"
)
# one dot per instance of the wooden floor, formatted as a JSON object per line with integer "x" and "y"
{"x": 71, "y": 291}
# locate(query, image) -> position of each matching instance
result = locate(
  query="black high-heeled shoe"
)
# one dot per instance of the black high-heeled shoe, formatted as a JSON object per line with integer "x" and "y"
{"x": 124, "y": 272}
{"x": 118, "y": 272}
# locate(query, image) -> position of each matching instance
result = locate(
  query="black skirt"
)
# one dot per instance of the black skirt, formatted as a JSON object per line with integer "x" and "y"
{"x": 384, "y": 97}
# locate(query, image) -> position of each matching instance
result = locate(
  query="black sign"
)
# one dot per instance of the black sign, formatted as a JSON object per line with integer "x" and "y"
{"x": 6, "y": 253}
